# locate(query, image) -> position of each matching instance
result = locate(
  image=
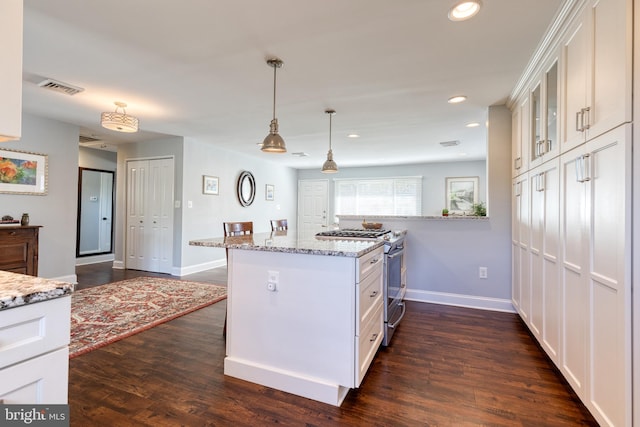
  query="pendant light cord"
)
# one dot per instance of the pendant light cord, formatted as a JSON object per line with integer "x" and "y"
{"x": 274, "y": 91}
{"x": 330, "y": 117}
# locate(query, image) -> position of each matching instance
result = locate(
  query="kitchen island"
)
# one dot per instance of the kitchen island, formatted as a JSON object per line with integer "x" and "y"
{"x": 35, "y": 319}
{"x": 303, "y": 315}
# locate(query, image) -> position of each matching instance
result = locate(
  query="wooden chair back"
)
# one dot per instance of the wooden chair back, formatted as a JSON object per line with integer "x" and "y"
{"x": 279, "y": 225}
{"x": 238, "y": 228}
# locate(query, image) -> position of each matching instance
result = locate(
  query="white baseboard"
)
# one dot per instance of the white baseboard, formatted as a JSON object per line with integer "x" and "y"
{"x": 185, "y": 271}
{"x": 469, "y": 301}
{"x": 94, "y": 259}
{"x": 118, "y": 265}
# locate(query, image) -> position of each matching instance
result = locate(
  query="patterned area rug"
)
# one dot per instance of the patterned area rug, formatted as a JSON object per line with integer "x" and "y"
{"x": 111, "y": 312}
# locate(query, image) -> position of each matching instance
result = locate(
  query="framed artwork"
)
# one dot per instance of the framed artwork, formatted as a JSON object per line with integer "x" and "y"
{"x": 210, "y": 185}
{"x": 23, "y": 172}
{"x": 461, "y": 193}
{"x": 269, "y": 190}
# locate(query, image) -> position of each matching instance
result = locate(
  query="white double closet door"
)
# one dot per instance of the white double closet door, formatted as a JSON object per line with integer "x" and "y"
{"x": 149, "y": 237}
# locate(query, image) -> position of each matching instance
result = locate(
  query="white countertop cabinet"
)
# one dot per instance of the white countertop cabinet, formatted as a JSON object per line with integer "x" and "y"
{"x": 34, "y": 352}
{"x": 11, "y": 71}
{"x": 303, "y": 323}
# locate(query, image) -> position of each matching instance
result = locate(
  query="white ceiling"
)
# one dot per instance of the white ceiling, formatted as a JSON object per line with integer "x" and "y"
{"x": 197, "y": 68}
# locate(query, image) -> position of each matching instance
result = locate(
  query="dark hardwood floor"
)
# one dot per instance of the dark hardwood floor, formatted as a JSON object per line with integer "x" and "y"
{"x": 447, "y": 366}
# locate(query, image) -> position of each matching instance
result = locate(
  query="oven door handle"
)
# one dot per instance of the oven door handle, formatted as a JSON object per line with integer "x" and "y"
{"x": 395, "y": 254}
{"x": 394, "y": 324}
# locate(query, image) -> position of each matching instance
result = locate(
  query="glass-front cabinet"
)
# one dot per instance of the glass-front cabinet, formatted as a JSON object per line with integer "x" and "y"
{"x": 544, "y": 117}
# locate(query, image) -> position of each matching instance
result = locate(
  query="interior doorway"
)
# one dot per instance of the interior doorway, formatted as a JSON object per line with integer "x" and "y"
{"x": 95, "y": 212}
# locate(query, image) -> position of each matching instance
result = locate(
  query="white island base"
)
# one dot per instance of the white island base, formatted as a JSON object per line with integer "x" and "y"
{"x": 303, "y": 323}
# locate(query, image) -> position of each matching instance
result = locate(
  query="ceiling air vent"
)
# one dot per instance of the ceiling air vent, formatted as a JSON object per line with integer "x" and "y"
{"x": 300, "y": 154}
{"x": 57, "y": 86}
{"x": 87, "y": 139}
{"x": 449, "y": 143}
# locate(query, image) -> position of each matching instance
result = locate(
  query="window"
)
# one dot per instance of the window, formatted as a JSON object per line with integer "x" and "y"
{"x": 379, "y": 196}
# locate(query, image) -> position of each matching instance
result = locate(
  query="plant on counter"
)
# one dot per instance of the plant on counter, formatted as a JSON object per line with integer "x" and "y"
{"x": 445, "y": 212}
{"x": 479, "y": 209}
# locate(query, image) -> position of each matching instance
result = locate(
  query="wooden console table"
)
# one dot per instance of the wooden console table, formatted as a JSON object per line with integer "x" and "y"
{"x": 19, "y": 249}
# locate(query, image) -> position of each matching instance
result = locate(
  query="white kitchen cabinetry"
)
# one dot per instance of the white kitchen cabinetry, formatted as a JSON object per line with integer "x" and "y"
{"x": 521, "y": 290}
{"x": 596, "y": 312}
{"x": 597, "y": 71}
{"x": 543, "y": 142}
{"x": 34, "y": 352}
{"x": 11, "y": 12}
{"x": 316, "y": 334}
{"x": 546, "y": 294}
{"x": 520, "y": 132}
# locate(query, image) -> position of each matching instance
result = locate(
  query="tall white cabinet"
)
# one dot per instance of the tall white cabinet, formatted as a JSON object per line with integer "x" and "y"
{"x": 11, "y": 12}
{"x": 572, "y": 204}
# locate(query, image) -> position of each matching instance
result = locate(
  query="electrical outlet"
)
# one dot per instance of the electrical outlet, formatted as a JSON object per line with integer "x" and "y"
{"x": 482, "y": 272}
{"x": 273, "y": 277}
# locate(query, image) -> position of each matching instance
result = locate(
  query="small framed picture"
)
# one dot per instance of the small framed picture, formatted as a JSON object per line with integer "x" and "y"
{"x": 23, "y": 172}
{"x": 461, "y": 194}
{"x": 269, "y": 190}
{"x": 210, "y": 185}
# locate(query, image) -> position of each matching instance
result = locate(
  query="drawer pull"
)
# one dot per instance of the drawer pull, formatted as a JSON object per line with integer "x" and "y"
{"x": 373, "y": 294}
{"x": 374, "y": 260}
{"x": 13, "y": 233}
{"x": 373, "y": 337}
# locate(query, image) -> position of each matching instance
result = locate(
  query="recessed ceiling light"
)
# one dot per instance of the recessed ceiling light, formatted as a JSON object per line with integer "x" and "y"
{"x": 456, "y": 99}
{"x": 464, "y": 10}
{"x": 462, "y": 154}
{"x": 472, "y": 125}
{"x": 353, "y": 135}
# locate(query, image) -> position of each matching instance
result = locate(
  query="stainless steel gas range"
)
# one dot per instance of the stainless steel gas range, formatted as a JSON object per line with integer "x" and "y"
{"x": 394, "y": 288}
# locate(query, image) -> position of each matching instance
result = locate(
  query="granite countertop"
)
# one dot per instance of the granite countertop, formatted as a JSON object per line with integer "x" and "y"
{"x": 291, "y": 242}
{"x": 373, "y": 218}
{"x": 20, "y": 289}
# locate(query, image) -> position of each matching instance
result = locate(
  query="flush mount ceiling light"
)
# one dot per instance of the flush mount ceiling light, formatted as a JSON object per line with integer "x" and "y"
{"x": 457, "y": 99}
{"x": 330, "y": 166}
{"x": 464, "y": 10}
{"x": 274, "y": 143}
{"x": 119, "y": 121}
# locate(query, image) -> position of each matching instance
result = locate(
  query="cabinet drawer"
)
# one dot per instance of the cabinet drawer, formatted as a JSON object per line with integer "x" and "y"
{"x": 33, "y": 329}
{"x": 43, "y": 380}
{"x": 369, "y": 299}
{"x": 368, "y": 344}
{"x": 368, "y": 263}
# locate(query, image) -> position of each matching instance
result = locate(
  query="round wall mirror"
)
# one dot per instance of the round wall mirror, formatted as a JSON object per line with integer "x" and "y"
{"x": 246, "y": 188}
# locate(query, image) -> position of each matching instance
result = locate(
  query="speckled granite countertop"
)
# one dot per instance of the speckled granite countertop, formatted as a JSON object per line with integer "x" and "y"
{"x": 291, "y": 242}
{"x": 20, "y": 289}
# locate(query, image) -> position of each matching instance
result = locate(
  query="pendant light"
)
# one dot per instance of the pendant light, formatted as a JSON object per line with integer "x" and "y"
{"x": 119, "y": 121}
{"x": 274, "y": 143}
{"x": 330, "y": 166}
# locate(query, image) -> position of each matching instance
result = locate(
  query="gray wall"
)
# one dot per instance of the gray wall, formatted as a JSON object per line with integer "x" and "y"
{"x": 208, "y": 213}
{"x": 443, "y": 255}
{"x": 433, "y": 183}
{"x": 193, "y": 159}
{"x": 56, "y": 211}
{"x": 97, "y": 159}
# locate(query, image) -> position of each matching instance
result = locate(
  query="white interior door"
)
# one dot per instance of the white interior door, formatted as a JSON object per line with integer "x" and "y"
{"x": 149, "y": 237}
{"x": 313, "y": 206}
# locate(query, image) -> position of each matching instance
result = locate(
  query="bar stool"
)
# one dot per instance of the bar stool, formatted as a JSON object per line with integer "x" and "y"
{"x": 238, "y": 228}
{"x": 279, "y": 225}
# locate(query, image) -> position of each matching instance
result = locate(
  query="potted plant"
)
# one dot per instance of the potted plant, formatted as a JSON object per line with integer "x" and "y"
{"x": 479, "y": 209}
{"x": 445, "y": 212}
